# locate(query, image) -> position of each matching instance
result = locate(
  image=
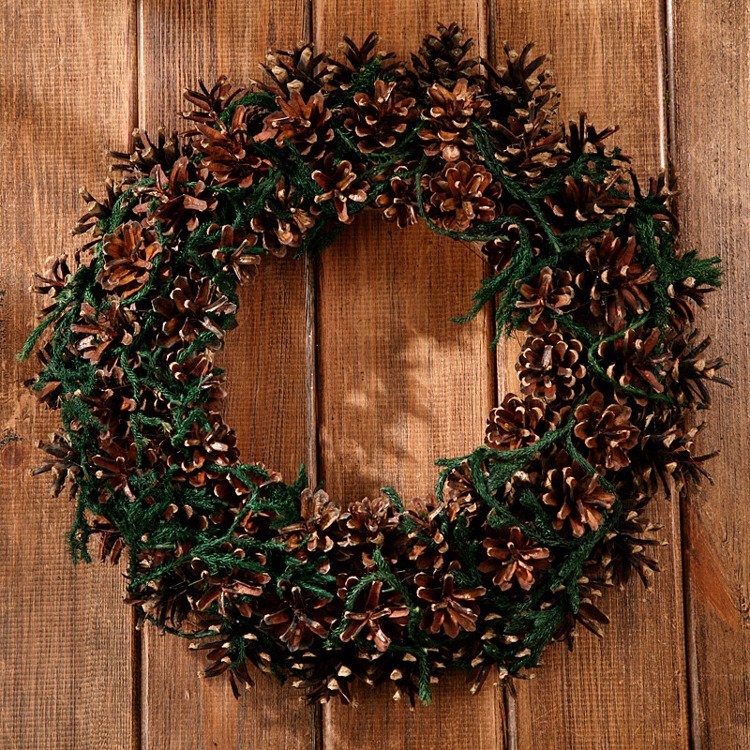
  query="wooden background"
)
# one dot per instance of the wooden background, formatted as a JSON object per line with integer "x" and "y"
{"x": 329, "y": 363}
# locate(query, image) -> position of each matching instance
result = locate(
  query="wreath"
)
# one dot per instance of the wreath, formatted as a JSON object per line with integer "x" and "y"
{"x": 521, "y": 535}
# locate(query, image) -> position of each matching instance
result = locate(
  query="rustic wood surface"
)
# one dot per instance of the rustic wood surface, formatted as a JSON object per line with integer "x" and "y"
{"x": 332, "y": 359}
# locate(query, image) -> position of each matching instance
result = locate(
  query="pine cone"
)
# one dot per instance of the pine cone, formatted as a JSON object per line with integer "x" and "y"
{"x": 339, "y": 75}
{"x": 301, "y": 618}
{"x": 194, "y": 306}
{"x": 228, "y": 151}
{"x": 54, "y": 280}
{"x": 443, "y": 59}
{"x": 685, "y": 296}
{"x": 399, "y": 199}
{"x": 129, "y": 255}
{"x": 518, "y": 422}
{"x": 318, "y": 514}
{"x": 549, "y": 367}
{"x": 513, "y": 559}
{"x": 110, "y": 398}
{"x": 451, "y": 609}
{"x": 690, "y": 370}
{"x": 583, "y": 138}
{"x": 501, "y": 250}
{"x": 306, "y": 124}
{"x": 232, "y": 251}
{"x": 215, "y": 443}
{"x": 425, "y": 543}
{"x": 379, "y": 119}
{"x": 367, "y": 522}
{"x": 284, "y": 220}
{"x": 181, "y": 199}
{"x": 297, "y": 71}
{"x": 341, "y": 185}
{"x": 64, "y": 462}
{"x": 197, "y": 372}
{"x": 211, "y": 103}
{"x": 117, "y": 461}
{"x": 614, "y": 281}
{"x": 459, "y": 493}
{"x": 109, "y": 327}
{"x": 446, "y": 130}
{"x": 606, "y": 431}
{"x": 634, "y": 359}
{"x": 97, "y": 212}
{"x": 461, "y": 196}
{"x": 578, "y": 497}
{"x": 550, "y": 290}
{"x": 147, "y": 154}
{"x": 380, "y": 618}
{"x": 584, "y": 200}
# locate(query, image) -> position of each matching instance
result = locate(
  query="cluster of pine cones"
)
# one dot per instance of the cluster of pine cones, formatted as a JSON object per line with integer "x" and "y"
{"x": 522, "y": 535}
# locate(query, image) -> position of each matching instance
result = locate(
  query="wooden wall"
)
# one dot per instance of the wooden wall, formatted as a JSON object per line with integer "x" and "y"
{"x": 329, "y": 363}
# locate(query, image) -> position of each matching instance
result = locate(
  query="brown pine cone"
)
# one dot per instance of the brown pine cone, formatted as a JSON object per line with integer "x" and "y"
{"x": 690, "y": 370}
{"x": 461, "y": 196}
{"x": 128, "y": 259}
{"x": 634, "y": 359}
{"x": 295, "y": 71}
{"x": 459, "y": 493}
{"x": 366, "y": 522}
{"x": 583, "y": 138}
{"x": 306, "y": 124}
{"x": 446, "y": 130}
{"x": 513, "y": 559}
{"x": 606, "y": 431}
{"x": 501, "y": 251}
{"x": 211, "y": 103}
{"x": 519, "y": 421}
{"x": 52, "y": 282}
{"x": 63, "y": 464}
{"x": 583, "y": 200}
{"x": 399, "y": 199}
{"x": 380, "y": 618}
{"x": 685, "y": 296}
{"x": 443, "y": 58}
{"x": 341, "y": 185}
{"x": 181, "y": 198}
{"x": 301, "y": 617}
{"x": 614, "y": 281}
{"x": 116, "y": 462}
{"x": 197, "y": 370}
{"x": 191, "y": 309}
{"x": 451, "y": 609}
{"x": 550, "y": 290}
{"x": 110, "y": 398}
{"x": 103, "y": 330}
{"x": 233, "y": 252}
{"x": 283, "y": 221}
{"x": 667, "y": 449}
{"x": 425, "y": 544}
{"x": 214, "y": 444}
{"x": 577, "y": 496}
{"x": 339, "y": 74}
{"x": 148, "y": 154}
{"x": 379, "y": 119}
{"x": 228, "y": 151}
{"x": 318, "y": 514}
{"x": 549, "y": 367}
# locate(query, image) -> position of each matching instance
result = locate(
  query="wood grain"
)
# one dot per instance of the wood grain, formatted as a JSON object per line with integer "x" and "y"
{"x": 399, "y": 384}
{"x": 628, "y": 690}
{"x": 180, "y": 42}
{"x": 711, "y": 141}
{"x": 65, "y": 665}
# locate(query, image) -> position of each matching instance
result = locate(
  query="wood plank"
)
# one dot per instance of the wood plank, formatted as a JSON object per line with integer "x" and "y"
{"x": 399, "y": 384}
{"x": 66, "y": 665}
{"x": 710, "y": 146}
{"x": 182, "y": 41}
{"x": 629, "y": 690}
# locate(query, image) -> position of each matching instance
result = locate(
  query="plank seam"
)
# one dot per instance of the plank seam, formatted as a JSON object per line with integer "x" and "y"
{"x": 691, "y": 659}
